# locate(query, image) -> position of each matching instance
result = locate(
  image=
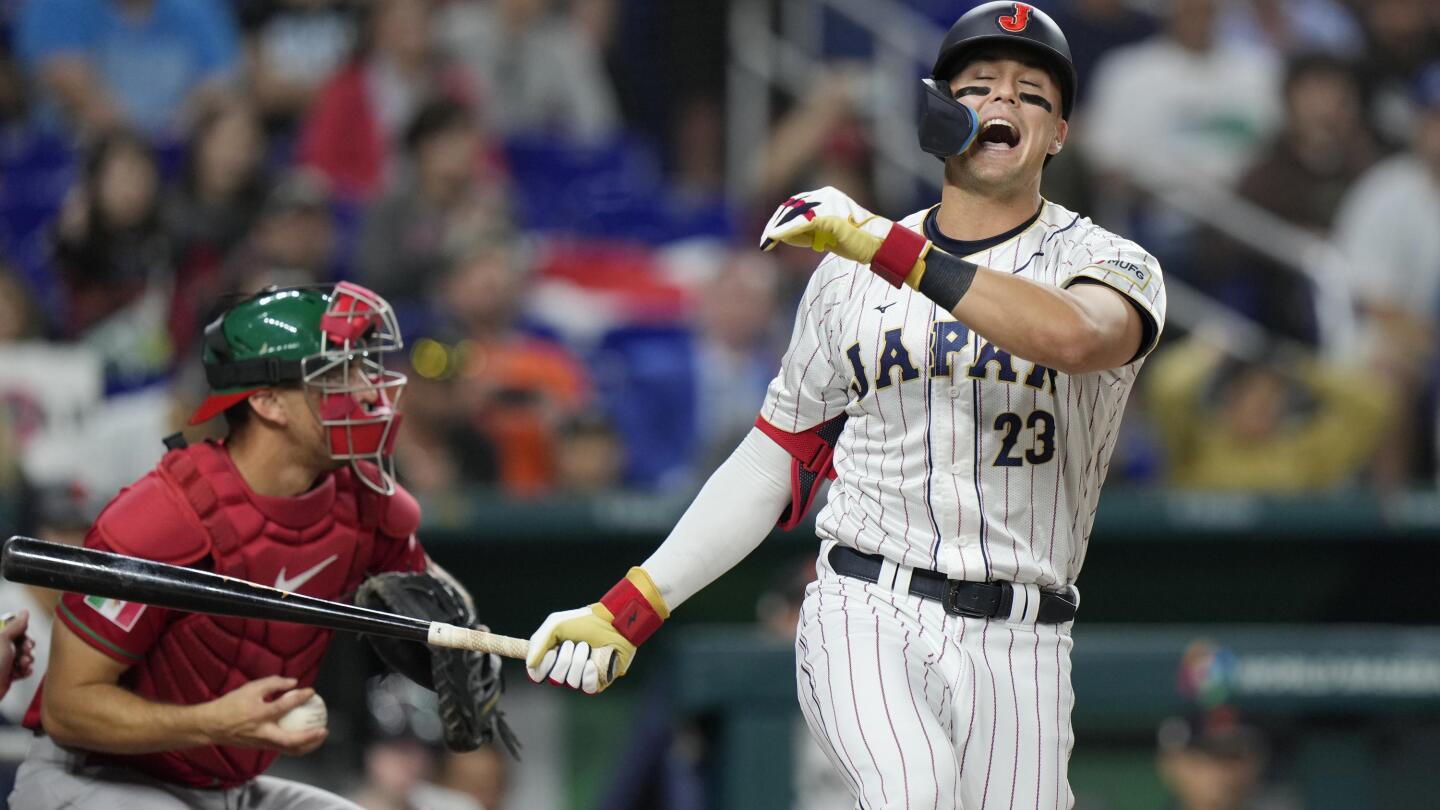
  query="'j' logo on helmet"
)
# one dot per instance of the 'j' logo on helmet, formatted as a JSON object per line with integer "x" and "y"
{"x": 1016, "y": 21}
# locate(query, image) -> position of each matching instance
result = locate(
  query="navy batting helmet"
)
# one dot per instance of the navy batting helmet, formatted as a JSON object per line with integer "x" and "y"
{"x": 947, "y": 127}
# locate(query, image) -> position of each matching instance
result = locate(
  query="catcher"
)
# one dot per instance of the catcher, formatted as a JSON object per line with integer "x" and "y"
{"x": 144, "y": 707}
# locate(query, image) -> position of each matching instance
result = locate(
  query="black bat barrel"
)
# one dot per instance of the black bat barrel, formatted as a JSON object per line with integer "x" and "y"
{"x": 131, "y": 579}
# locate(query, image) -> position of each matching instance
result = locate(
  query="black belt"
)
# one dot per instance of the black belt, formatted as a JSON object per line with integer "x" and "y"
{"x": 979, "y": 600}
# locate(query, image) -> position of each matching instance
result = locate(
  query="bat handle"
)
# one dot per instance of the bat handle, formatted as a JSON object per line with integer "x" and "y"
{"x": 605, "y": 661}
{"x": 463, "y": 638}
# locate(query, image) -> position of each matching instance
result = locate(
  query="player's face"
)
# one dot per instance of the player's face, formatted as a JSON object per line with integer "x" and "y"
{"x": 307, "y": 428}
{"x": 302, "y": 426}
{"x": 1018, "y": 104}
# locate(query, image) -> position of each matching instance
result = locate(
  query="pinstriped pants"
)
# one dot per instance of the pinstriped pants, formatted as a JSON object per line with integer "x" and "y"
{"x": 922, "y": 710}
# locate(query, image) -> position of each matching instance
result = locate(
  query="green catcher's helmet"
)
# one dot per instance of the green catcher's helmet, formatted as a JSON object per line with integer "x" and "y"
{"x": 332, "y": 342}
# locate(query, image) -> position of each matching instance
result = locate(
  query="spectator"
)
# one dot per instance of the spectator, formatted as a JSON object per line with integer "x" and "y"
{"x": 46, "y": 389}
{"x": 819, "y": 142}
{"x": 598, "y": 22}
{"x": 292, "y": 48}
{"x": 401, "y": 759}
{"x": 483, "y": 774}
{"x": 111, "y": 251}
{"x": 212, "y": 208}
{"x": 1277, "y": 425}
{"x": 13, "y": 101}
{"x": 362, "y": 111}
{"x": 1293, "y": 26}
{"x": 593, "y": 457}
{"x": 146, "y": 64}
{"x": 294, "y": 240}
{"x": 539, "y": 71}
{"x": 1401, "y": 40}
{"x": 222, "y": 185}
{"x": 510, "y": 390}
{"x": 1095, "y": 27}
{"x": 1386, "y": 223}
{"x": 1323, "y": 145}
{"x": 1212, "y": 762}
{"x": 736, "y": 352}
{"x": 20, "y": 318}
{"x": 1181, "y": 102}
{"x": 445, "y": 196}
{"x": 1387, "y": 227}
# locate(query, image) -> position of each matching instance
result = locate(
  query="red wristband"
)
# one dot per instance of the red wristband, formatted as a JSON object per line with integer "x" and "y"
{"x": 897, "y": 254}
{"x": 635, "y": 618}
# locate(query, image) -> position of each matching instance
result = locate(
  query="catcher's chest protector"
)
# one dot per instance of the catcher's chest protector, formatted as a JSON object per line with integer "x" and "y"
{"x": 319, "y": 544}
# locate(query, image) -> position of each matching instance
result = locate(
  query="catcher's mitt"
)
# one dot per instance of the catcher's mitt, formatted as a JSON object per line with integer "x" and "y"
{"x": 467, "y": 683}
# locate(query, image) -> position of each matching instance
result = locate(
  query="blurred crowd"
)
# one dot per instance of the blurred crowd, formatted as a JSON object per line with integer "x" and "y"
{"x": 540, "y": 188}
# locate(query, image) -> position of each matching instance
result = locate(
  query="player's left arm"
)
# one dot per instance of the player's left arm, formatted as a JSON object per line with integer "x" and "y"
{"x": 1105, "y": 315}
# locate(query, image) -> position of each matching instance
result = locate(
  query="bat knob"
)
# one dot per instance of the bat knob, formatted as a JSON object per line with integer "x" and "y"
{"x": 606, "y": 662}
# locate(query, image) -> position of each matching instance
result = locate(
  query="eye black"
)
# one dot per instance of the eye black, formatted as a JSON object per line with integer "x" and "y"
{"x": 1038, "y": 101}
{"x": 972, "y": 90}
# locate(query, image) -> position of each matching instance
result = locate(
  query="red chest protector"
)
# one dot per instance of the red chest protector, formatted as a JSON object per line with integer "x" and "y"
{"x": 320, "y": 544}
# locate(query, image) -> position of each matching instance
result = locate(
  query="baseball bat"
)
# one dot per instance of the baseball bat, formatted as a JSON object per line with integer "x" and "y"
{"x": 131, "y": 579}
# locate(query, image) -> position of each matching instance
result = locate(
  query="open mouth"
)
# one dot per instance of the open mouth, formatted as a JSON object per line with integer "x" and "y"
{"x": 998, "y": 133}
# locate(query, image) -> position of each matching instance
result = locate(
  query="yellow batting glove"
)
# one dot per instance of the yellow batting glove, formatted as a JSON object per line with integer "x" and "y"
{"x": 564, "y": 649}
{"x": 826, "y": 220}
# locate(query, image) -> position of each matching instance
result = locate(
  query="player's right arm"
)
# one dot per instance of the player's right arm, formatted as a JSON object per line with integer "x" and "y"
{"x": 735, "y": 510}
{"x": 1106, "y": 314}
{"x": 84, "y": 706}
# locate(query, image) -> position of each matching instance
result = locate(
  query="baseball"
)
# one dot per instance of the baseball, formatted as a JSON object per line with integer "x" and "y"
{"x": 308, "y": 715}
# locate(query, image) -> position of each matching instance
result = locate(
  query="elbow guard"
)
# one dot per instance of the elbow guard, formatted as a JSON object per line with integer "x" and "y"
{"x": 812, "y": 454}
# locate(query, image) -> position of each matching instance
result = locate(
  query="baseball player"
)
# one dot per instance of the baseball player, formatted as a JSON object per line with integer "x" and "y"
{"x": 961, "y": 375}
{"x": 144, "y": 707}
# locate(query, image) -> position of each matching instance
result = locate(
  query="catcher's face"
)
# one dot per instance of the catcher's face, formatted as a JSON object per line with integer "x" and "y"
{"x": 303, "y": 429}
{"x": 1018, "y": 103}
{"x": 302, "y": 406}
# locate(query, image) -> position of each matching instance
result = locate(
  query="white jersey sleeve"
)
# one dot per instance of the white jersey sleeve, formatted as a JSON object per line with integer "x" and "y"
{"x": 1126, "y": 268}
{"x": 810, "y": 388}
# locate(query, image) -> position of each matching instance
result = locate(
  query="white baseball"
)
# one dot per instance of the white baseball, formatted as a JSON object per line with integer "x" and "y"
{"x": 308, "y": 715}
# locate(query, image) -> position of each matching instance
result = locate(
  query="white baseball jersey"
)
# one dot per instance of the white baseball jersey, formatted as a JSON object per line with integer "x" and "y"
{"x": 958, "y": 456}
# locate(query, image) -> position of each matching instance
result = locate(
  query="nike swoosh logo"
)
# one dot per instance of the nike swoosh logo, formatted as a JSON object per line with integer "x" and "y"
{"x": 303, "y": 577}
{"x": 881, "y": 309}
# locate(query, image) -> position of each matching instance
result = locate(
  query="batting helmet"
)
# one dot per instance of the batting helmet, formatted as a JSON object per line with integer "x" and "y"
{"x": 947, "y": 127}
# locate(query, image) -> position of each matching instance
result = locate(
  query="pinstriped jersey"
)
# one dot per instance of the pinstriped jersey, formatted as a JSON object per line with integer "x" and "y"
{"x": 956, "y": 455}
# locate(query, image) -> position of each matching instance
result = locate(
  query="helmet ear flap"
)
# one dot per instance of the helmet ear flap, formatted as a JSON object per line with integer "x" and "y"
{"x": 947, "y": 127}
{"x": 215, "y": 339}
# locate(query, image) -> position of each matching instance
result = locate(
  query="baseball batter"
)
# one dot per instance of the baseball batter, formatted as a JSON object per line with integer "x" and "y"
{"x": 961, "y": 374}
{"x": 144, "y": 707}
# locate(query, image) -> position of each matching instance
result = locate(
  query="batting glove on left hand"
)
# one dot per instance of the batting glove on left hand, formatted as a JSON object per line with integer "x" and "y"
{"x": 826, "y": 220}
{"x": 565, "y": 648}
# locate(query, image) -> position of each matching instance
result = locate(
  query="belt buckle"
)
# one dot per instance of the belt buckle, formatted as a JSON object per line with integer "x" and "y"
{"x": 952, "y": 602}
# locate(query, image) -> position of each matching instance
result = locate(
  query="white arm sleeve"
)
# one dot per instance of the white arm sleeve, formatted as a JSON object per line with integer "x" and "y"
{"x": 734, "y": 512}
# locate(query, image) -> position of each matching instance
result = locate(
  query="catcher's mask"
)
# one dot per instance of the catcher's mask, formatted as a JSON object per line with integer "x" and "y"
{"x": 334, "y": 345}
